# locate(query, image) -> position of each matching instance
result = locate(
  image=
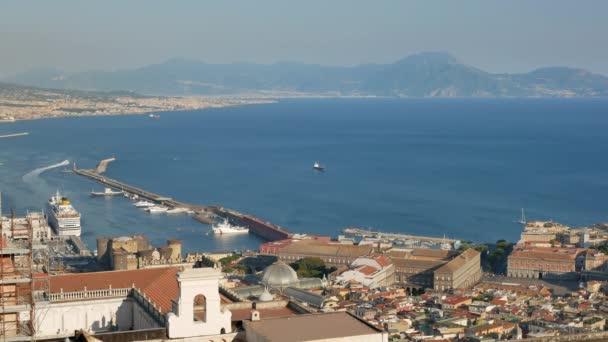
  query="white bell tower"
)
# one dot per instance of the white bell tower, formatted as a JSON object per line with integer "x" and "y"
{"x": 199, "y": 312}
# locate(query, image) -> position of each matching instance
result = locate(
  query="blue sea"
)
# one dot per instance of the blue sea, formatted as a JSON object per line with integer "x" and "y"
{"x": 462, "y": 168}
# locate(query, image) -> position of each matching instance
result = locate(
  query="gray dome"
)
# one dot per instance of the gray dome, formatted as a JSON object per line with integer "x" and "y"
{"x": 279, "y": 274}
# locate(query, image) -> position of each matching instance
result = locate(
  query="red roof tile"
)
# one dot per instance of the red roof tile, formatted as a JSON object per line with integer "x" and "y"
{"x": 159, "y": 284}
{"x": 367, "y": 270}
{"x": 382, "y": 261}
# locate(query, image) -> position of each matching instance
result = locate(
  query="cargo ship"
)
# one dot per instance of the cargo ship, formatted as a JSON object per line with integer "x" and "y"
{"x": 64, "y": 219}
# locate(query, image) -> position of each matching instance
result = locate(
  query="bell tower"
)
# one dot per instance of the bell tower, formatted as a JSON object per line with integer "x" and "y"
{"x": 198, "y": 310}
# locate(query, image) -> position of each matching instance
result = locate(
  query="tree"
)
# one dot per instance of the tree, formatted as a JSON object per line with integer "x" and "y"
{"x": 311, "y": 267}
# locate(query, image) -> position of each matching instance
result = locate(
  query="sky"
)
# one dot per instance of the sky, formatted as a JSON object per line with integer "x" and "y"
{"x": 497, "y": 36}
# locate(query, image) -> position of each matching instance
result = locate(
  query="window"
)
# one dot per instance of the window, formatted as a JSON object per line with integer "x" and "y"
{"x": 200, "y": 308}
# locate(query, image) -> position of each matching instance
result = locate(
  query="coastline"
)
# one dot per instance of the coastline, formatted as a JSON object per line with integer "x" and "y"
{"x": 172, "y": 104}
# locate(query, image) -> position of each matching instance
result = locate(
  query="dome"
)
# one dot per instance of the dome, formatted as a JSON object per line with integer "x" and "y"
{"x": 279, "y": 274}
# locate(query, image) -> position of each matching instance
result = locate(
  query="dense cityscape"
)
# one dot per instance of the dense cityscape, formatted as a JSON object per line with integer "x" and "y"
{"x": 363, "y": 285}
{"x": 303, "y": 171}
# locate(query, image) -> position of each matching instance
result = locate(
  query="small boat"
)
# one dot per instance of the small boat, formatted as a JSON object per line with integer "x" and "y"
{"x": 107, "y": 192}
{"x": 522, "y": 220}
{"x": 157, "y": 209}
{"x": 318, "y": 166}
{"x": 177, "y": 210}
{"x": 144, "y": 204}
{"x": 226, "y": 228}
{"x": 154, "y": 116}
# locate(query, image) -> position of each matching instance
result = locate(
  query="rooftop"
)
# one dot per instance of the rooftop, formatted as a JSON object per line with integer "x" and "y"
{"x": 310, "y": 327}
{"x": 548, "y": 254}
{"x": 459, "y": 261}
{"x": 159, "y": 284}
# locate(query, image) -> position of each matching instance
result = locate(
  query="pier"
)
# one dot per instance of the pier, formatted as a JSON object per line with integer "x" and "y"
{"x": 257, "y": 226}
{"x": 150, "y": 196}
{"x": 103, "y": 165}
{"x": 397, "y": 236}
{"x": 203, "y": 214}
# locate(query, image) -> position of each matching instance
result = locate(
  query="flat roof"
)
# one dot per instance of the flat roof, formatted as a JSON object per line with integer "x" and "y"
{"x": 310, "y": 327}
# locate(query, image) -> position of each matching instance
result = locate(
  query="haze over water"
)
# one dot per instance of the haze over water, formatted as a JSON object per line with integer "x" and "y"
{"x": 458, "y": 167}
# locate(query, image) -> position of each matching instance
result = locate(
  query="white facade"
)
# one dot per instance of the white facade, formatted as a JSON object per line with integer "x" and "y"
{"x": 92, "y": 315}
{"x": 192, "y": 283}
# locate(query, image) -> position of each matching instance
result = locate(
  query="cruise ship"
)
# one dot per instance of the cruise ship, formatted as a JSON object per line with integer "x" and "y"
{"x": 226, "y": 228}
{"x": 64, "y": 219}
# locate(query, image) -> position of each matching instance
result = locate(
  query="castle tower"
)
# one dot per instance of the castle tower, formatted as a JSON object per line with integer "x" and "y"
{"x": 176, "y": 249}
{"x": 199, "y": 312}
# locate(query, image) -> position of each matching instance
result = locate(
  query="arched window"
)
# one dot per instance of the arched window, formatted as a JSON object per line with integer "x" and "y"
{"x": 200, "y": 308}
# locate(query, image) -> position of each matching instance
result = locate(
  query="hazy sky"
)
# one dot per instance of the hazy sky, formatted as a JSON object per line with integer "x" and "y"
{"x": 498, "y": 36}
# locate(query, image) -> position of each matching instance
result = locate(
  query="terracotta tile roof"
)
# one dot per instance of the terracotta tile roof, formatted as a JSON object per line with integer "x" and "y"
{"x": 459, "y": 261}
{"x": 548, "y": 254}
{"x": 367, "y": 270}
{"x": 312, "y": 247}
{"x": 159, "y": 284}
{"x": 498, "y": 301}
{"x": 382, "y": 261}
{"x": 426, "y": 264}
{"x": 432, "y": 253}
{"x": 453, "y": 300}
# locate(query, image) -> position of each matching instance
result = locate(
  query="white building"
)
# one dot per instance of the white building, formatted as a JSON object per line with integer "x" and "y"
{"x": 369, "y": 271}
{"x": 170, "y": 304}
{"x": 134, "y": 300}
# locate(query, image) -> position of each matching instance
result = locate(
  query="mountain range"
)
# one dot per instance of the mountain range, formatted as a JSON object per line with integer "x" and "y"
{"x": 428, "y": 74}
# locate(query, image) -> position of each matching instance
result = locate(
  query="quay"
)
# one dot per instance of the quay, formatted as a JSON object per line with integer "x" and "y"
{"x": 14, "y": 135}
{"x": 203, "y": 214}
{"x": 256, "y": 225}
{"x": 153, "y": 197}
{"x": 396, "y": 236}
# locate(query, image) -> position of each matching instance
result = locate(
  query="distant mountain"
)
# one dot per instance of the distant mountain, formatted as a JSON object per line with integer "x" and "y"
{"x": 429, "y": 74}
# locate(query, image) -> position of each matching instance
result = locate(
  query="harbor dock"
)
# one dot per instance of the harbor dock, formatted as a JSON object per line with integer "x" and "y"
{"x": 396, "y": 236}
{"x": 256, "y": 225}
{"x": 203, "y": 214}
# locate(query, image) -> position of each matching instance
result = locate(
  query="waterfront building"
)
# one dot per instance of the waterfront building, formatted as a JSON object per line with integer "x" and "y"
{"x": 463, "y": 271}
{"x": 543, "y": 233}
{"x": 415, "y": 267}
{"x": 596, "y": 261}
{"x": 541, "y": 262}
{"x": 332, "y": 253}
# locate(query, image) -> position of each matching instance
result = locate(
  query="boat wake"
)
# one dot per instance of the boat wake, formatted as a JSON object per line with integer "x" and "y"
{"x": 31, "y": 176}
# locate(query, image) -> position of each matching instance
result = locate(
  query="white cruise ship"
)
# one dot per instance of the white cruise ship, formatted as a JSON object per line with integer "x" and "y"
{"x": 64, "y": 219}
{"x": 226, "y": 228}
